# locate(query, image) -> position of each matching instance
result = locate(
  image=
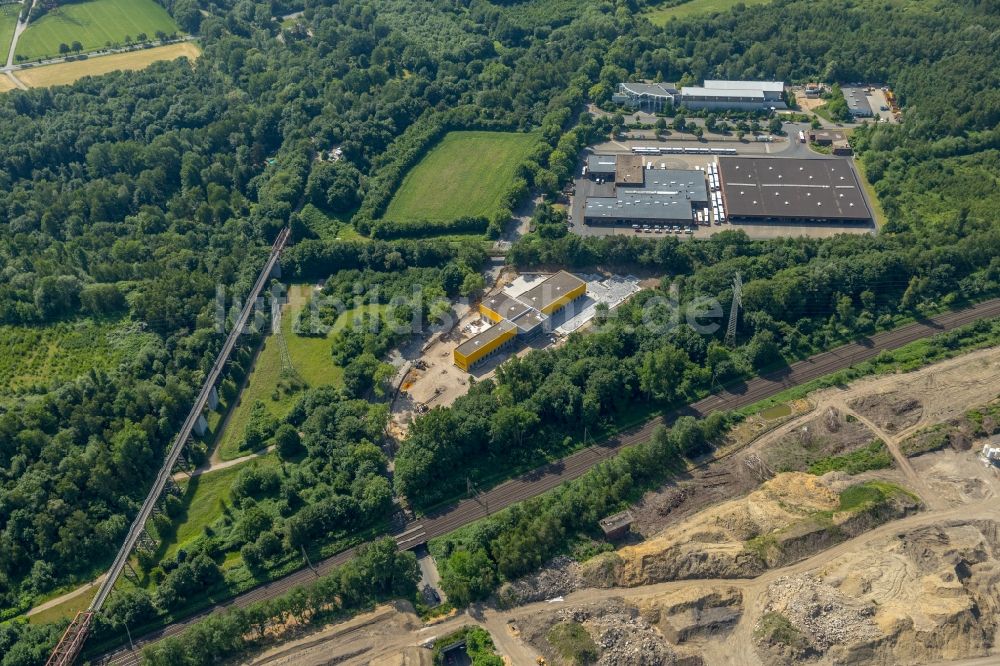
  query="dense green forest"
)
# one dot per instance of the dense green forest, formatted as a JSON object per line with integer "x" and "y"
{"x": 129, "y": 198}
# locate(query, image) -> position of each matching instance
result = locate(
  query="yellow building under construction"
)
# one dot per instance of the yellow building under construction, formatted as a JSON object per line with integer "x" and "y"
{"x": 520, "y": 317}
{"x": 479, "y": 347}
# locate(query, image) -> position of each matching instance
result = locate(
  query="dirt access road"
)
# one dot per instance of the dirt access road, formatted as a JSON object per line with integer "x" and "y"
{"x": 549, "y": 476}
{"x": 384, "y": 634}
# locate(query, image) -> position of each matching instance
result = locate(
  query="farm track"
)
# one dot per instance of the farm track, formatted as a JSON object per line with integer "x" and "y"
{"x": 573, "y": 466}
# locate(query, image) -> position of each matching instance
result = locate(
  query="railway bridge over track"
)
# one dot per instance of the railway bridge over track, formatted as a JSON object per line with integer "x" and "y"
{"x": 72, "y": 641}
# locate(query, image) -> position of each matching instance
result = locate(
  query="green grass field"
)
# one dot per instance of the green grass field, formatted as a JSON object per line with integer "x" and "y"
{"x": 310, "y": 358}
{"x": 66, "y": 610}
{"x": 93, "y": 23}
{"x": 8, "y": 21}
{"x": 466, "y": 173}
{"x": 205, "y": 499}
{"x": 695, "y": 7}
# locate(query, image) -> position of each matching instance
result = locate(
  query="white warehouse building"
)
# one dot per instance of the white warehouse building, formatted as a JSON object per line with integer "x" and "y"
{"x": 714, "y": 94}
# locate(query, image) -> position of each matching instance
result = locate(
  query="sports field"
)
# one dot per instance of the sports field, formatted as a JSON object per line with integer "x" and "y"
{"x": 67, "y": 72}
{"x": 695, "y": 7}
{"x": 466, "y": 173}
{"x": 93, "y": 23}
{"x": 8, "y": 20}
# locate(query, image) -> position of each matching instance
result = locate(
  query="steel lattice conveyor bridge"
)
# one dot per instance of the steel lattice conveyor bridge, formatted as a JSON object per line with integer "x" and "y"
{"x": 72, "y": 641}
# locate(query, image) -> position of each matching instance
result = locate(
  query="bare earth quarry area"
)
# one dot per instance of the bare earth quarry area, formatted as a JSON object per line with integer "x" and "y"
{"x": 856, "y": 526}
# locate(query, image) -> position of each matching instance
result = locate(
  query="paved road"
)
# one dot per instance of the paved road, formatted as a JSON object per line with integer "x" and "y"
{"x": 549, "y": 476}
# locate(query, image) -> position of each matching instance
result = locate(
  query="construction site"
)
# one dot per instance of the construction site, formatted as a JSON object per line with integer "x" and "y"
{"x": 521, "y": 312}
{"x": 759, "y": 556}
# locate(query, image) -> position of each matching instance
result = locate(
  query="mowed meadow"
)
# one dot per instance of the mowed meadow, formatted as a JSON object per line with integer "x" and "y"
{"x": 95, "y": 24}
{"x": 8, "y": 21}
{"x": 465, "y": 174}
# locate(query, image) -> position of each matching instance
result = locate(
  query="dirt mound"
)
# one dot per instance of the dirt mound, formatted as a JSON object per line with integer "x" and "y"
{"x": 790, "y": 517}
{"x": 892, "y": 412}
{"x": 829, "y": 433}
{"x": 688, "y": 614}
{"x": 805, "y": 618}
{"x": 925, "y": 595}
{"x": 610, "y": 632}
{"x": 604, "y": 570}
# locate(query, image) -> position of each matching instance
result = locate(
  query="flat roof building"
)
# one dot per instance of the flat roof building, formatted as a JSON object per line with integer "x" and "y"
{"x": 502, "y": 306}
{"x": 617, "y": 526}
{"x": 554, "y": 292}
{"x": 665, "y": 196}
{"x": 479, "y": 347}
{"x": 629, "y": 170}
{"x": 827, "y": 137}
{"x": 518, "y": 317}
{"x": 857, "y": 102}
{"x": 745, "y": 95}
{"x": 763, "y": 189}
{"x": 713, "y": 94}
{"x": 602, "y": 165}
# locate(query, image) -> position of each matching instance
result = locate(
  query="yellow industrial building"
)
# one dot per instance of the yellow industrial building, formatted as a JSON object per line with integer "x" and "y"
{"x": 520, "y": 317}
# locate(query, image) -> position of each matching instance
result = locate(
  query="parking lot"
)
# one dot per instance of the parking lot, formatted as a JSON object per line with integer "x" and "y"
{"x": 877, "y": 100}
{"x": 585, "y": 187}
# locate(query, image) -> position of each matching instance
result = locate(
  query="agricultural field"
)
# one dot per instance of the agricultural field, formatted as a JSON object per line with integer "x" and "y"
{"x": 38, "y": 358}
{"x": 694, "y": 7}
{"x": 8, "y": 21}
{"x": 274, "y": 385}
{"x": 65, "y": 73}
{"x": 94, "y": 23}
{"x": 466, "y": 174}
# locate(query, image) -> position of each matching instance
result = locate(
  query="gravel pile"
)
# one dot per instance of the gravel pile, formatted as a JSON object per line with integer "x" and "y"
{"x": 622, "y": 635}
{"x": 625, "y": 638}
{"x": 824, "y": 615}
{"x": 559, "y": 577}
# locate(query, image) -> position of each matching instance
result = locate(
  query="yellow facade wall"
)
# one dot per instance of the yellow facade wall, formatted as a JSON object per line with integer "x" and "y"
{"x": 489, "y": 314}
{"x": 571, "y": 295}
{"x": 466, "y": 361}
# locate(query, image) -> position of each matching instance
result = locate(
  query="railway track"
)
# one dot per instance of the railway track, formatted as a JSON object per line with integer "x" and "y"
{"x": 575, "y": 465}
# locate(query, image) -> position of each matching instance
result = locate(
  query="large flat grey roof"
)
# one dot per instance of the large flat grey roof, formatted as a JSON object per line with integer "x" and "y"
{"x": 641, "y": 206}
{"x": 550, "y": 290}
{"x": 724, "y": 93}
{"x": 769, "y": 86}
{"x": 668, "y": 195}
{"x": 689, "y": 181}
{"x": 486, "y": 337}
{"x": 651, "y": 89}
{"x": 601, "y": 163}
{"x": 857, "y": 101}
{"x": 505, "y": 306}
{"x": 807, "y": 189}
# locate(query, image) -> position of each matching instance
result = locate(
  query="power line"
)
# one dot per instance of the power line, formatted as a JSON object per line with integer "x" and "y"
{"x": 734, "y": 309}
